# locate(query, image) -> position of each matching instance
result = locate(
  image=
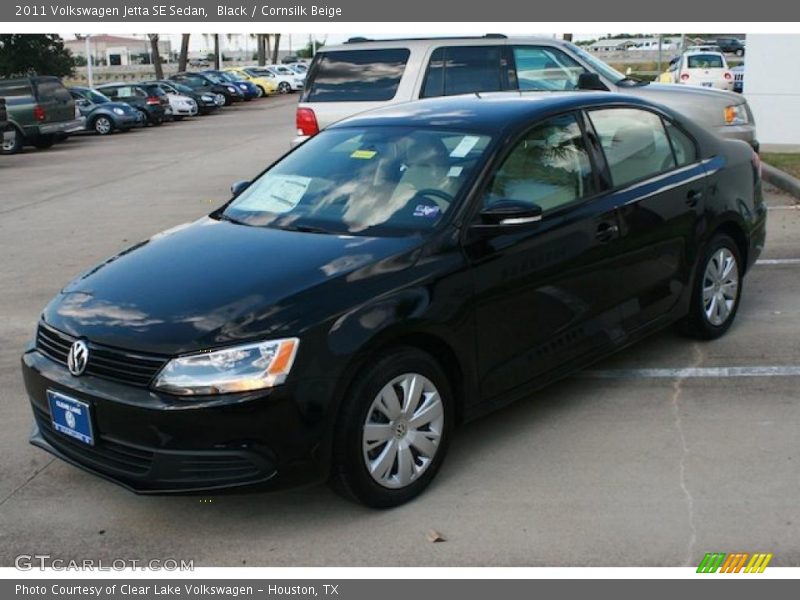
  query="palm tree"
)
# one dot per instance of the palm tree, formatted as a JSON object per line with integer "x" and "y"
{"x": 184, "y": 56}
{"x": 156, "y": 56}
{"x": 275, "y": 49}
{"x": 217, "y": 64}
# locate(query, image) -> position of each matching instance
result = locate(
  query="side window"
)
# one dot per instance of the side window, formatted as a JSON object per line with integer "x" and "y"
{"x": 354, "y": 75}
{"x": 684, "y": 147}
{"x": 464, "y": 70}
{"x": 550, "y": 167}
{"x": 110, "y": 92}
{"x": 634, "y": 142}
{"x": 545, "y": 69}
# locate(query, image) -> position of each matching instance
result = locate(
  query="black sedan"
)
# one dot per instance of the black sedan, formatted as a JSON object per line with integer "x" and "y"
{"x": 149, "y": 100}
{"x": 207, "y": 101}
{"x": 401, "y": 272}
{"x": 202, "y": 81}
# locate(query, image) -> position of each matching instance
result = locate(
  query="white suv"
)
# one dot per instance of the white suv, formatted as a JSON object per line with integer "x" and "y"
{"x": 362, "y": 74}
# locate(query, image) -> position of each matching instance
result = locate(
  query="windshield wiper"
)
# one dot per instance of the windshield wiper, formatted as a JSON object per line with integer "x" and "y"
{"x": 303, "y": 228}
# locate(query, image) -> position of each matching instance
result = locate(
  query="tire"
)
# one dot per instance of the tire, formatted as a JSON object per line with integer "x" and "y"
{"x": 228, "y": 100}
{"x": 102, "y": 125}
{"x": 261, "y": 92}
{"x": 177, "y": 118}
{"x": 715, "y": 299}
{"x": 16, "y": 145}
{"x": 284, "y": 88}
{"x": 396, "y": 443}
{"x": 44, "y": 142}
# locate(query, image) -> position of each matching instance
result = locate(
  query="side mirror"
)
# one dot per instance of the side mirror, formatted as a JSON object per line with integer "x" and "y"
{"x": 509, "y": 213}
{"x": 83, "y": 103}
{"x": 238, "y": 187}
{"x": 591, "y": 81}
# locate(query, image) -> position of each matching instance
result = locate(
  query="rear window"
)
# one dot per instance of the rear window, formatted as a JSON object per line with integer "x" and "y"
{"x": 357, "y": 75}
{"x": 704, "y": 61}
{"x": 52, "y": 88}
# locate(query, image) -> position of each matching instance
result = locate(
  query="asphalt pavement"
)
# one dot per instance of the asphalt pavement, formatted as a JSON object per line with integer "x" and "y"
{"x": 662, "y": 453}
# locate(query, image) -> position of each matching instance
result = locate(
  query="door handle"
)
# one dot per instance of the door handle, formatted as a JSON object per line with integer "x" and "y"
{"x": 607, "y": 231}
{"x": 693, "y": 197}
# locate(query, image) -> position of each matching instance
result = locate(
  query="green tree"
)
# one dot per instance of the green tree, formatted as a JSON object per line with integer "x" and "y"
{"x": 34, "y": 54}
{"x": 307, "y": 51}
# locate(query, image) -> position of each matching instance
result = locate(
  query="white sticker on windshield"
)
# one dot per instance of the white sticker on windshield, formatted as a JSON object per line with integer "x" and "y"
{"x": 455, "y": 171}
{"x": 466, "y": 144}
{"x": 276, "y": 194}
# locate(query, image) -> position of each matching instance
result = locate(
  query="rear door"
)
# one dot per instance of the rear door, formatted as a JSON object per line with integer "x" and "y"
{"x": 342, "y": 83}
{"x": 659, "y": 185}
{"x": 455, "y": 70}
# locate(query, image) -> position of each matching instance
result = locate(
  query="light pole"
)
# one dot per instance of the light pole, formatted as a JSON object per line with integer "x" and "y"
{"x": 89, "y": 61}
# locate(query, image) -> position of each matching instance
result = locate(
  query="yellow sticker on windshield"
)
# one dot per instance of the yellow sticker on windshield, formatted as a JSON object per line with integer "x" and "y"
{"x": 365, "y": 154}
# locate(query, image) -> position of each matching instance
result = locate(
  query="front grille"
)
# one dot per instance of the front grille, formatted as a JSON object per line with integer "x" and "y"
{"x": 106, "y": 454}
{"x": 104, "y": 361}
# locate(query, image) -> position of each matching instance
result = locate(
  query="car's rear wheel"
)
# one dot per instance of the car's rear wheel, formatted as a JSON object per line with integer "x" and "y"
{"x": 102, "y": 125}
{"x": 284, "y": 87}
{"x": 394, "y": 429}
{"x": 261, "y": 91}
{"x": 717, "y": 290}
{"x": 16, "y": 144}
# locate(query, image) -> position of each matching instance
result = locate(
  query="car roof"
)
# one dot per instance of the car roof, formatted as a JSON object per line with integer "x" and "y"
{"x": 422, "y": 43}
{"x": 486, "y": 112}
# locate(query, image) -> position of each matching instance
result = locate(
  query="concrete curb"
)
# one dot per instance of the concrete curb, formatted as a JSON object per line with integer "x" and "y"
{"x": 781, "y": 180}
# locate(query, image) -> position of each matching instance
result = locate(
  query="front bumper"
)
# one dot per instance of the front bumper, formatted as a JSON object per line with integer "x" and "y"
{"x": 746, "y": 133}
{"x": 155, "y": 443}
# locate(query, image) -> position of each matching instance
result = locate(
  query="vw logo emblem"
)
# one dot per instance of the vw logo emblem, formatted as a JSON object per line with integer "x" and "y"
{"x": 70, "y": 419}
{"x": 78, "y": 357}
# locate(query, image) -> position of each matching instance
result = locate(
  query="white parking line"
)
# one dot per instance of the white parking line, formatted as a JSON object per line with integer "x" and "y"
{"x": 766, "y": 371}
{"x": 784, "y": 207}
{"x": 778, "y": 261}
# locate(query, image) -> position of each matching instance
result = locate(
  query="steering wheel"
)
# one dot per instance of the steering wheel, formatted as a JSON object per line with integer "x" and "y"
{"x": 435, "y": 193}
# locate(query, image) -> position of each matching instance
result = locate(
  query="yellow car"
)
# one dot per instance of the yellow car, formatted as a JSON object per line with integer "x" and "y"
{"x": 265, "y": 85}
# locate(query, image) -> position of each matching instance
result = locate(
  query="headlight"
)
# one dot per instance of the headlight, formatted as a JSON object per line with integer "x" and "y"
{"x": 118, "y": 111}
{"x": 207, "y": 98}
{"x": 231, "y": 88}
{"x": 237, "y": 369}
{"x": 243, "y": 86}
{"x": 736, "y": 115}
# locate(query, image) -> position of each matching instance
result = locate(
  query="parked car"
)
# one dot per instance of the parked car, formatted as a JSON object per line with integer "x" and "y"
{"x": 206, "y": 101}
{"x": 149, "y": 100}
{"x": 180, "y": 105}
{"x": 199, "y": 85}
{"x": 300, "y": 69}
{"x": 198, "y": 81}
{"x": 439, "y": 259}
{"x": 39, "y": 111}
{"x": 706, "y": 69}
{"x": 247, "y": 89}
{"x": 290, "y": 58}
{"x": 354, "y": 77}
{"x": 738, "y": 79}
{"x": 199, "y": 62}
{"x": 731, "y": 45}
{"x": 102, "y": 115}
{"x": 288, "y": 80}
{"x": 265, "y": 81}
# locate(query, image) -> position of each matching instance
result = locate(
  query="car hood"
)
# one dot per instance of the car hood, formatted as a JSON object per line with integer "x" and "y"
{"x": 704, "y": 105}
{"x": 212, "y": 283}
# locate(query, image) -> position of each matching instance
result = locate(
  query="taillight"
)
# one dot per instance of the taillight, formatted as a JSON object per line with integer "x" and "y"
{"x": 728, "y": 76}
{"x": 153, "y": 100}
{"x": 306, "y": 122}
{"x": 685, "y": 77}
{"x": 38, "y": 113}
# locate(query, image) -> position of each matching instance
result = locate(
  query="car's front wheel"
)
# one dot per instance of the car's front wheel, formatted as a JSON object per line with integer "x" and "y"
{"x": 284, "y": 87}
{"x": 393, "y": 430}
{"x": 103, "y": 125}
{"x": 717, "y": 290}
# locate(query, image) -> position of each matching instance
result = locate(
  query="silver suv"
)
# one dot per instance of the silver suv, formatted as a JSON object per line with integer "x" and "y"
{"x": 363, "y": 74}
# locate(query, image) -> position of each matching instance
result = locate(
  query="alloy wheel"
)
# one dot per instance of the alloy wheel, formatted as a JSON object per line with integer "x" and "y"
{"x": 102, "y": 125}
{"x": 720, "y": 287}
{"x": 284, "y": 88}
{"x": 402, "y": 430}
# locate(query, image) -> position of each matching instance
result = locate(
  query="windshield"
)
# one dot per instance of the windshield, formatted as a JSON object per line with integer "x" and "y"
{"x": 215, "y": 78}
{"x": 598, "y": 65}
{"x": 96, "y": 97}
{"x": 233, "y": 76}
{"x": 183, "y": 89}
{"x": 260, "y": 73}
{"x": 364, "y": 181}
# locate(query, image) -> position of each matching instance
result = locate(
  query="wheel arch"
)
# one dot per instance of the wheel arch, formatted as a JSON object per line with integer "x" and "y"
{"x": 737, "y": 233}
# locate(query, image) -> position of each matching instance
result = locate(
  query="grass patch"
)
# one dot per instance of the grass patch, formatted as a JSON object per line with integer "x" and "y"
{"x": 785, "y": 161}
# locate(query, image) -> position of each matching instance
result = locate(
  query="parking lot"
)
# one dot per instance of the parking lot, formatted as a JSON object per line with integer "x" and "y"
{"x": 652, "y": 459}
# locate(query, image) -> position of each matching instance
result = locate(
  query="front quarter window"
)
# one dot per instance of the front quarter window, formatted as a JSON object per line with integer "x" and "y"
{"x": 364, "y": 181}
